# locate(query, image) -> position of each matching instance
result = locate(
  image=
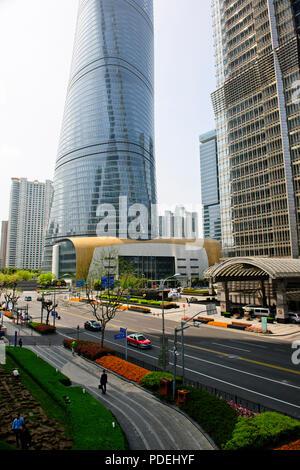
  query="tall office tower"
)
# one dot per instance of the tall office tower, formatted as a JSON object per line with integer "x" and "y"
{"x": 4, "y": 229}
{"x": 29, "y": 211}
{"x": 106, "y": 148}
{"x": 257, "y": 115}
{"x": 210, "y": 185}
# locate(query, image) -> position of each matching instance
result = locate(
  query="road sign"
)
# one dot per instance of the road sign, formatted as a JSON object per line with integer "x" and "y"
{"x": 53, "y": 313}
{"x": 123, "y": 330}
{"x": 107, "y": 281}
{"x": 128, "y": 297}
{"x": 119, "y": 336}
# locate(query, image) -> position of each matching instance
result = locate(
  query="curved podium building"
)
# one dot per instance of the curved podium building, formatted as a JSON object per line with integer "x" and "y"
{"x": 106, "y": 147}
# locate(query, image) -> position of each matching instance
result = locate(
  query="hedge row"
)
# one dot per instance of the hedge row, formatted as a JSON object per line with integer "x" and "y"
{"x": 88, "y": 349}
{"x": 42, "y": 328}
{"x": 221, "y": 421}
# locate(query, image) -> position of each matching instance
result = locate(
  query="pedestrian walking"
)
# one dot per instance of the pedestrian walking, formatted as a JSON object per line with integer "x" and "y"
{"x": 103, "y": 381}
{"x": 20, "y": 342}
{"x": 16, "y": 428}
{"x": 25, "y": 437}
{"x": 73, "y": 344}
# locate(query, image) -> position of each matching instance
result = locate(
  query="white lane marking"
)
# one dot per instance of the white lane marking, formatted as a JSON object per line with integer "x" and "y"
{"x": 243, "y": 388}
{"x": 232, "y": 347}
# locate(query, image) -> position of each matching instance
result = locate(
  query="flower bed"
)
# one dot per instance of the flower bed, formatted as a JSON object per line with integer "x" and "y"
{"x": 8, "y": 314}
{"x": 257, "y": 329}
{"x": 123, "y": 368}
{"x": 295, "y": 445}
{"x": 241, "y": 411}
{"x": 89, "y": 349}
{"x": 42, "y": 328}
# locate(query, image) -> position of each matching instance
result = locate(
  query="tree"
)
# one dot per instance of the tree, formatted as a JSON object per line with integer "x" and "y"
{"x": 45, "y": 280}
{"x": 9, "y": 290}
{"x": 103, "y": 270}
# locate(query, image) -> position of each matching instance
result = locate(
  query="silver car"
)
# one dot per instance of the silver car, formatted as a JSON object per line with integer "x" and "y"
{"x": 294, "y": 317}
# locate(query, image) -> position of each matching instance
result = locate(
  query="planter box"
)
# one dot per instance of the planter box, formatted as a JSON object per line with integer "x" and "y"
{"x": 238, "y": 327}
{"x": 140, "y": 309}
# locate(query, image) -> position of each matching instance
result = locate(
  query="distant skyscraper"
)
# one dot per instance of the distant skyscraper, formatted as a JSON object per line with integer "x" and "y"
{"x": 210, "y": 186}
{"x": 28, "y": 216}
{"x": 258, "y": 125}
{"x": 4, "y": 228}
{"x": 106, "y": 147}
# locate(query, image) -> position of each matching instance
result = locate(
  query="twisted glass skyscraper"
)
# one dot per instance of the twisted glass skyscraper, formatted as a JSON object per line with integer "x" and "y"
{"x": 106, "y": 147}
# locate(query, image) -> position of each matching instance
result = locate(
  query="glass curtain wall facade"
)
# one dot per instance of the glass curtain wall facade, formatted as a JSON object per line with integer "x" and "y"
{"x": 106, "y": 147}
{"x": 210, "y": 186}
{"x": 258, "y": 124}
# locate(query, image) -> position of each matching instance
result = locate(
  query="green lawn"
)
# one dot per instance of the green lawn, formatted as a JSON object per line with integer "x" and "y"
{"x": 85, "y": 418}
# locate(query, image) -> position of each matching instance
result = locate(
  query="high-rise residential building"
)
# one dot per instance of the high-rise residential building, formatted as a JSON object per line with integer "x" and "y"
{"x": 4, "y": 229}
{"x": 106, "y": 149}
{"x": 210, "y": 185}
{"x": 29, "y": 210}
{"x": 257, "y": 112}
{"x": 181, "y": 224}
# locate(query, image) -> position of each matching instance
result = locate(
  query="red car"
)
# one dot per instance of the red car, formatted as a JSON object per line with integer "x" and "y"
{"x": 139, "y": 341}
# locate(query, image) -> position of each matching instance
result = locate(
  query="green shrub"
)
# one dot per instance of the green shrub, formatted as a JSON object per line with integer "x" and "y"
{"x": 262, "y": 431}
{"x": 152, "y": 381}
{"x": 216, "y": 417}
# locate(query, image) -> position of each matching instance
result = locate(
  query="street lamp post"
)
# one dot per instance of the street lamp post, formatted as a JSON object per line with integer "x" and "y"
{"x": 163, "y": 317}
{"x": 183, "y": 327}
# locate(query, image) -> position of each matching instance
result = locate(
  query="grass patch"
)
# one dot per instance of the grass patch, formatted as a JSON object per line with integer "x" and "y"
{"x": 86, "y": 418}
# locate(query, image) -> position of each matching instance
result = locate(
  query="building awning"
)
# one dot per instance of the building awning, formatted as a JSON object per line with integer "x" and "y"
{"x": 244, "y": 268}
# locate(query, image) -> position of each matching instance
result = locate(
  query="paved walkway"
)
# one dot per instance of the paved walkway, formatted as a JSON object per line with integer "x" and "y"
{"x": 148, "y": 423}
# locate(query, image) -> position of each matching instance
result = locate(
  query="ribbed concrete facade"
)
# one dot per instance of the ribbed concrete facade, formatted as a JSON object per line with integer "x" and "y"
{"x": 258, "y": 124}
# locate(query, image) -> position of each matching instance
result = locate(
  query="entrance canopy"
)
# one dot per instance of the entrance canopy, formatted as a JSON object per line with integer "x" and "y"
{"x": 248, "y": 269}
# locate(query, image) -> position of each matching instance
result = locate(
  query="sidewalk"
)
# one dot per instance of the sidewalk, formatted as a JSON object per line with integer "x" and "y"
{"x": 277, "y": 329}
{"x": 147, "y": 423}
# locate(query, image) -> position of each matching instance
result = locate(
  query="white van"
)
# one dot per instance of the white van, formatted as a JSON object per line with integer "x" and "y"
{"x": 256, "y": 311}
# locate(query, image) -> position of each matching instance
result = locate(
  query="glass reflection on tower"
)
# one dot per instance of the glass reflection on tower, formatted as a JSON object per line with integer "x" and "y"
{"x": 106, "y": 147}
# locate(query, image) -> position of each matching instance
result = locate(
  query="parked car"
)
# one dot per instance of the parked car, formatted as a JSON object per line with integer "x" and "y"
{"x": 28, "y": 299}
{"x": 92, "y": 325}
{"x": 294, "y": 317}
{"x": 139, "y": 341}
{"x": 256, "y": 311}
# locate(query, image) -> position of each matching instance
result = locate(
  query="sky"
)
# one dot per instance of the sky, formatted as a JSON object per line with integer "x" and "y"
{"x": 36, "y": 43}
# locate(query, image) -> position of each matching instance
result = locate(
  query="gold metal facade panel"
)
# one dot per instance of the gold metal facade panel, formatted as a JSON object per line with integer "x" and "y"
{"x": 85, "y": 247}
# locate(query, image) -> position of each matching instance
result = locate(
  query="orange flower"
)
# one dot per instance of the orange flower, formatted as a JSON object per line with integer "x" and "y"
{"x": 123, "y": 368}
{"x": 291, "y": 446}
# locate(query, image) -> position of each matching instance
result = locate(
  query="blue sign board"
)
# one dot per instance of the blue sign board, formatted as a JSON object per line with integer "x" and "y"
{"x": 128, "y": 297}
{"x": 119, "y": 336}
{"x": 123, "y": 330}
{"x": 53, "y": 314}
{"x": 80, "y": 283}
{"x": 107, "y": 281}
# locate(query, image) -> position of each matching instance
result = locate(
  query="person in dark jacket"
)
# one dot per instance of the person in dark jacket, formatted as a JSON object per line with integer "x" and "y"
{"x": 25, "y": 437}
{"x": 103, "y": 381}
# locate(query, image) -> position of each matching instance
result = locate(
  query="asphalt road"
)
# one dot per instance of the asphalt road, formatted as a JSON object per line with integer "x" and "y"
{"x": 259, "y": 370}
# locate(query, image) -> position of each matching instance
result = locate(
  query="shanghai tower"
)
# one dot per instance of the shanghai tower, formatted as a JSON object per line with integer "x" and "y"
{"x": 106, "y": 147}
